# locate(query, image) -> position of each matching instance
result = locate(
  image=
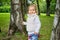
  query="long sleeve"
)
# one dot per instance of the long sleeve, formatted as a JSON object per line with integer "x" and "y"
{"x": 38, "y": 24}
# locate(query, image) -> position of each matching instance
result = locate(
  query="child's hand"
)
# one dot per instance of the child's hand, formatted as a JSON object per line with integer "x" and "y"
{"x": 35, "y": 33}
{"x": 24, "y": 23}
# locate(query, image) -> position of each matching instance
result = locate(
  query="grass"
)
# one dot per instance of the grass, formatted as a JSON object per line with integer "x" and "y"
{"x": 45, "y": 31}
{"x": 46, "y": 27}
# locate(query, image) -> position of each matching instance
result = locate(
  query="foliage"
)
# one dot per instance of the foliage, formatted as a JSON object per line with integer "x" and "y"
{"x": 42, "y": 5}
{"x": 52, "y": 6}
{"x": 46, "y": 27}
{"x": 4, "y": 2}
{"x": 4, "y": 9}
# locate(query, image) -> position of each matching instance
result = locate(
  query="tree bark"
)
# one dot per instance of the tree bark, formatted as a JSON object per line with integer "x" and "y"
{"x": 24, "y": 11}
{"x": 48, "y": 7}
{"x": 38, "y": 7}
{"x": 15, "y": 18}
{"x": 56, "y": 29}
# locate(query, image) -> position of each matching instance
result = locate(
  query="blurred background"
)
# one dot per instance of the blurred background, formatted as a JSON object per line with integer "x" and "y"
{"x": 46, "y": 9}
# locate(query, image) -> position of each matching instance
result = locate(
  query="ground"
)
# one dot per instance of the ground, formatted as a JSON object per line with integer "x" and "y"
{"x": 45, "y": 31}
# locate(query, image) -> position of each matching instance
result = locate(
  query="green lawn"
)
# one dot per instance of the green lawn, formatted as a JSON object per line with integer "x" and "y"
{"x": 46, "y": 27}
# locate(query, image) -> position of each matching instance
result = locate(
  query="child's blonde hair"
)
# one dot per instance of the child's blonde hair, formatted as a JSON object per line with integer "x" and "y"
{"x": 33, "y": 5}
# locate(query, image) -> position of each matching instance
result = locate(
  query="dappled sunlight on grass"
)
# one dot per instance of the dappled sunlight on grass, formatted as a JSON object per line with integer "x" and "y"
{"x": 44, "y": 14}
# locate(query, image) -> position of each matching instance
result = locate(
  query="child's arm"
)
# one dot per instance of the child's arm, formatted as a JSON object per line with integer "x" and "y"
{"x": 38, "y": 24}
{"x": 24, "y": 23}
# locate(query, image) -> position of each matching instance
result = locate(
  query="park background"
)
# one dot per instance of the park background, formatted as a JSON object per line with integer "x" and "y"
{"x": 46, "y": 21}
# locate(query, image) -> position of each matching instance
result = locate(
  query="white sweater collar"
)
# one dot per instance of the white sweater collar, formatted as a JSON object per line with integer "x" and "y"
{"x": 31, "y": 15}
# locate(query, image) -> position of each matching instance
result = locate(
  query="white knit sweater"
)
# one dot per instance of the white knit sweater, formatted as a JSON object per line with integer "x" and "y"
{"x": 33, "y": 23}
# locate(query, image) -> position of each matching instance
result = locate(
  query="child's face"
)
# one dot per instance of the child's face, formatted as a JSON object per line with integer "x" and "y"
{"x": 31, "y": 10}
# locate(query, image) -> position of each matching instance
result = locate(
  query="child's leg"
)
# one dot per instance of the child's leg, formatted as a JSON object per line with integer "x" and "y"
{"x": 35, "y": 37}
{"x": 29, "y": 37}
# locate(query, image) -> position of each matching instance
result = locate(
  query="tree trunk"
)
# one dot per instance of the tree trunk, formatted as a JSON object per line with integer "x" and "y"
{"x": 56, "y": 29}
{"x": 48, "y": 7}
{"x": 24, "y": 10}
{"x": 15, "y": 18}
{"x": 23, "y": 7}
{"x": 38, "y": 7}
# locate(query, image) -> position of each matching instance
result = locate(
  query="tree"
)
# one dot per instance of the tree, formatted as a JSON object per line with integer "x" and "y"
{"x": 16, "y": 17}
{"x": 24, "y": 5}
{"x": 48, "y": 7}
{"x": 38, "y": 7}
{"x": 56, "y": 29}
